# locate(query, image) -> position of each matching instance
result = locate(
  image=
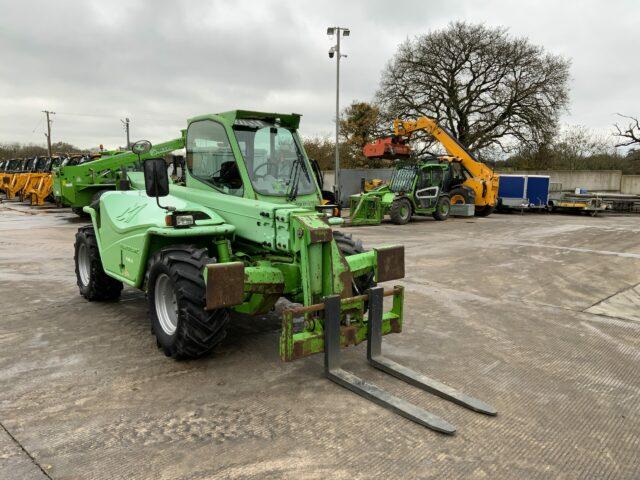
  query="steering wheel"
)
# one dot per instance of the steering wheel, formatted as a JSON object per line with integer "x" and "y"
{"x": 255, "y": 170}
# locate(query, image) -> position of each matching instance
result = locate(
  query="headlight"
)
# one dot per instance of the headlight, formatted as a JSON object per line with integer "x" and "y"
{"x": 183, "y": 221}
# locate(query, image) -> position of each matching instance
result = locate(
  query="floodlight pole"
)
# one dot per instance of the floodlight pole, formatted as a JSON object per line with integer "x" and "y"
{"x": 337, "y": 161}
{"x": 339, "y": 31}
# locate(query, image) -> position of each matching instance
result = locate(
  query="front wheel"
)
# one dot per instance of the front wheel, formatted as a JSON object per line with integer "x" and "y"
{"x": 80, "y": 212}
{"x": 177, "y": 299}
{"x": 443, "y": 207}
{"x": 400, "y": 212}
{"x": 93, "y": 282}
{"x": 462, "y": 195}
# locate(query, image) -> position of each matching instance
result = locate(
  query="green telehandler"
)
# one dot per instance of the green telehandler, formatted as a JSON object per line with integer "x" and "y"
{"x": 416, "y": 188}
{"x": 76, "y": 184}
{"x": 245, "y": 228}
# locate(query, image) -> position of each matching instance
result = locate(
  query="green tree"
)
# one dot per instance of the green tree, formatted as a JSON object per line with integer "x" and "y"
{"x": 360, "y": 123}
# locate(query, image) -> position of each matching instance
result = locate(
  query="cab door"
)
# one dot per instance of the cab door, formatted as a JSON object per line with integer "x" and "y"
{"x": 428, "y": 187}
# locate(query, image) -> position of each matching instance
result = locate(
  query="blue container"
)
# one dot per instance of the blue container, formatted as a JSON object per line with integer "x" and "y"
{"x": 524, "y": 191}
{"x": 511, "y": 186}
{"x": 538, "y": 190}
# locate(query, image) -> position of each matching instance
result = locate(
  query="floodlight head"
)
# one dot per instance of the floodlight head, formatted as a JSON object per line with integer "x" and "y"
{"x": 346, "y": 32}
{"x": 330, "y": 30}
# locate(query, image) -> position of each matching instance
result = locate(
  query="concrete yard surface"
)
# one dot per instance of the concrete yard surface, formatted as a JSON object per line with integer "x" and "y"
{"x": 535, "y": 314}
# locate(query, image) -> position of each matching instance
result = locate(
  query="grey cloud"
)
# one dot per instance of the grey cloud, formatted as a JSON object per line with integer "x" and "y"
{"x": 160, "y": 62}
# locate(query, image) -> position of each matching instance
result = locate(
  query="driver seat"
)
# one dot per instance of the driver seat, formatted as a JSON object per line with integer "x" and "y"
{"x": 230, "y": 175}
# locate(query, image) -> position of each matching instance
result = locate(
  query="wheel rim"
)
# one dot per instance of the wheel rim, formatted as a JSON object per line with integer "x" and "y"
{"x": 444, "y": 208}
{"x": 84, "y": 264}
{"x": 457, "y": 199}
{"x": 166, "y": 304}
{"x": 404, "y": 211}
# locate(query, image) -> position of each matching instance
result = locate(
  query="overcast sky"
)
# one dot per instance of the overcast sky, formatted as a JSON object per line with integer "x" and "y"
{"x": 160, "y": 62}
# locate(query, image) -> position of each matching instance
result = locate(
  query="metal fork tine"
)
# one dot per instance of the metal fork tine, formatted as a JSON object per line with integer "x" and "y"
{"x": 363, "y": 388}
{"x": 379, "y": 361}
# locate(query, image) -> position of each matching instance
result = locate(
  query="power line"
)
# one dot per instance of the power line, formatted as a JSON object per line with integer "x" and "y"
{"x": 37, "y": 125}
{"x": 87, "y": 115}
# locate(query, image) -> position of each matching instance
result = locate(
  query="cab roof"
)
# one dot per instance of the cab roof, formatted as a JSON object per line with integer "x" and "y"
{"x": 290, "y": 120}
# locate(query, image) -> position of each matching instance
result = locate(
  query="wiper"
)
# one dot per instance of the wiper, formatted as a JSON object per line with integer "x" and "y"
{"x": 294, "y": 177}
{"x": 303, "y": 165}
{"x": 299, "y": 163}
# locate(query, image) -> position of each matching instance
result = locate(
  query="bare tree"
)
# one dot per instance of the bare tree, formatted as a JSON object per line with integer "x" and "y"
{"x": 629, "y": 135}
{"x": 489, "y": 88}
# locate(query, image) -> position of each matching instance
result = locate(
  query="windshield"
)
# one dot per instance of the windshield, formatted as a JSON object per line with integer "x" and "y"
{"x": 402, "y": 180}
{"x": 41, "y": 163}
{"x": 273, "y": 158}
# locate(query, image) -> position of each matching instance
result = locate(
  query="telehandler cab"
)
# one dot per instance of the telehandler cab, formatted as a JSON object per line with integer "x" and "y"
{"x": 245, "y": 228}
{"x": 4, "y": 164}
{"x": 19, "y": 177}
{"x": 8, "y": 170}
{"x": 39, "y": 182}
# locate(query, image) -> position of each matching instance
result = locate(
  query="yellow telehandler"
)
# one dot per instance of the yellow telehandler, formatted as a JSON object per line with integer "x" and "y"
{"x": 469, "y": 180}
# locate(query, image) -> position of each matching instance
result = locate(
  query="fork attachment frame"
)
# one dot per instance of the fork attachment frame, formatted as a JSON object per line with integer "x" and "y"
{"x": 372, "y": 392}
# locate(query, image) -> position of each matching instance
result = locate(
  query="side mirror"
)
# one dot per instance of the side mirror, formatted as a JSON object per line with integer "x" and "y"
{"x": 156, "y": 179}
{"x": 141, "y": 147}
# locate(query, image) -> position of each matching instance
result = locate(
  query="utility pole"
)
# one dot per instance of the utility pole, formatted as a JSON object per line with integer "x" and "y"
{"x": 48, "y": 134}
{"x": 125, "y": 122}
{"x": 335, "y": 50}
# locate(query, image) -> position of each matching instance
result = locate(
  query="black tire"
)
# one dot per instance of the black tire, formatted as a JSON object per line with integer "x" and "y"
{"x": 81, "y": 213}
{"x": 348, "y": 246}
{"x": 485, "y": 210}
{"x": 197, "y": 331}
{"x": 93, "y": 282}
{"x": 95, "y": 200}
{"x": 462, "y": 195}
{"x": 400, "y": 211}
{"x": 443, "y": 208}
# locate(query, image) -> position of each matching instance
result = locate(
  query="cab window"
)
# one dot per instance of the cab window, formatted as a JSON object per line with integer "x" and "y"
{"x": 210, "y": 158}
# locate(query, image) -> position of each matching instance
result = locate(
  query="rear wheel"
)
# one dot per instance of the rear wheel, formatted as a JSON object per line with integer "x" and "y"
{"x": 400, "y": 211}
{"x": 92, "y": 280}
{"x": 443, "y": 208}
{"x": 349, "y": 246}
{"x": 485, "y": 210}
{"x": 177, "y": 298}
